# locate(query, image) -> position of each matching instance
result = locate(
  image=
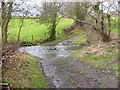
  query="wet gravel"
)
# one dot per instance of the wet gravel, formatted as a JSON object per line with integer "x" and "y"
{"x": 63, "y": 71}
{"x": 66, "y": 72}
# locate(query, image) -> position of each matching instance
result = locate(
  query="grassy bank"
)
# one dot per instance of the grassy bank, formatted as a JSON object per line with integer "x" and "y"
{"x": 25, "y": 73}
{"x": 114, "y": 25}
{"x": 32, "y": 30}
{"x": 79, "y": 40}
{"x": 65, "y": 36}
{"x": 100, "y": 55}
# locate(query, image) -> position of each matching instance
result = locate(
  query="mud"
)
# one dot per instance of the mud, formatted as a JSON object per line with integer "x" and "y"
{"x": 63, "y": 71}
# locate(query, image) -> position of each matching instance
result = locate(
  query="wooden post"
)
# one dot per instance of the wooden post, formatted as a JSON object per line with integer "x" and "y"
{"x": 32, "y": 38}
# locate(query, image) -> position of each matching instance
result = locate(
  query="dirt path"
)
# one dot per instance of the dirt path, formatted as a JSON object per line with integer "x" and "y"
{"x": 69, "y": 40}
{"x": 63, "y": 71}
{"x": 66, "y": 72}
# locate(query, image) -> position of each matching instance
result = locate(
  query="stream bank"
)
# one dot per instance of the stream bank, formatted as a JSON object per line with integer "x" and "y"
{"x": 63, "y": 71}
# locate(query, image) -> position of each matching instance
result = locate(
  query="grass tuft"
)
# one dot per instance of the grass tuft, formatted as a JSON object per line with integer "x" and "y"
{"x": 26, "y": 73}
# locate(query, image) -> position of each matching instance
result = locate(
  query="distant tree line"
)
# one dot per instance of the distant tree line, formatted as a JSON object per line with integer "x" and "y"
{"x": 84, "y": 14}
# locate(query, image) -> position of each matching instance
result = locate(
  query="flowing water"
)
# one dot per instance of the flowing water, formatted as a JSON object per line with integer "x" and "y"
{"x": 50, "y": 51}
{"x": 48, "y": 55}
{"x": 63, "y": 71}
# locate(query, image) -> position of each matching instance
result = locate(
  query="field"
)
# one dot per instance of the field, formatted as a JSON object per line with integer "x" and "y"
{"x": 32, "y": 30}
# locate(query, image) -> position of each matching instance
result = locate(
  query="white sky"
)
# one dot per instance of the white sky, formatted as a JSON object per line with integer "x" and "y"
{"x": 33, "y": 3}
{"x": 63, "y": 0}
{"x": 37, "y": 1}
{"x": 107, "y": 3}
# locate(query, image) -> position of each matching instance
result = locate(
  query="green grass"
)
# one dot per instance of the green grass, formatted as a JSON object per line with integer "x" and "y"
{"x": 65, "y": 36}
{"x": 31, "y": 27}
{"x": 98, "y": 61}
{"x": 78, "y": 40}
{"x": 29, "y": 76}
{"x": 37, "y": 78}
{"x": 114, "y": 25}
{"x": 115, "y": 30}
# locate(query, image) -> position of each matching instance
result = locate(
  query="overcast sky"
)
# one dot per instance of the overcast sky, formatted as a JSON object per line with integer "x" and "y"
{"x": 64, "y": 0}
{"x": 29, "y": 4}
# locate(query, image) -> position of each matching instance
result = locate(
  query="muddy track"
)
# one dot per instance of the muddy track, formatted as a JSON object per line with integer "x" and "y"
{"x": 63, "y": 71}
{"x": 66, "y": 72}
{"x": 69, "y": 40}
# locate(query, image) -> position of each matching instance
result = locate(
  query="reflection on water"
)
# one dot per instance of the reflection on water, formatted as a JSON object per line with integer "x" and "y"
{"x": 49, "y": 51}
{"x": 49, "y": 55}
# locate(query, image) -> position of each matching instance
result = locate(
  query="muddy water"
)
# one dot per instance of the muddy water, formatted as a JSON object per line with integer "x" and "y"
{"x": 48, "y": 56}
{"x": 50, "y": 51}
{"x": 63, "y": 71}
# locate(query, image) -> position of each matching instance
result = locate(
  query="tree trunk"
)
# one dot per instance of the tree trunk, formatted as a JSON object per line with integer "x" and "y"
{"x": 52, "y": 36}
{"x": 6, "y": 17}
{"x": 102, "y": 18}
{"x": 53, "y": 32}
{"x": 53, "y": 28}
{"x": 109, "y": 24}
{"x": 80, "y": 15}
{"x": 20, "y": 29}
{"x": 105, "y": 37}
{"x": 78, "y": 23}
{"x": 102, "y": 23}
{"x": 4, "y": 31}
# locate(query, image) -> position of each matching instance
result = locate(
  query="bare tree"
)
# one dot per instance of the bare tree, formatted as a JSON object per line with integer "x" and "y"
{"x": 22, "y": 22}
{"x": 76, "y": 10}
{"x": 93, "y": 16}
{"x": 20, "y": 11}
{"x": 6, "y": 17}
{"x": 50, "y": 17}
{"x": 80, "y": 12}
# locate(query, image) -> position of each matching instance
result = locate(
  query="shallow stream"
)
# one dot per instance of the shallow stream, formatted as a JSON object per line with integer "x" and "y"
{"x": 49, "y": 55}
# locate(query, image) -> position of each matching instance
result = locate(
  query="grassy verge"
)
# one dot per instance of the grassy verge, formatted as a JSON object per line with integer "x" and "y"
{"x": 79, "y": 40}
{"x": 65, "y": 36}
{"x": 114, "y": 26}
{"x": 25, "y": 73}
{"x": 100, "y": 55}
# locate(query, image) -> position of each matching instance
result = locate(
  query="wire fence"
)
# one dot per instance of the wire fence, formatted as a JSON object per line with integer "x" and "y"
{"x": 29, "y": 31}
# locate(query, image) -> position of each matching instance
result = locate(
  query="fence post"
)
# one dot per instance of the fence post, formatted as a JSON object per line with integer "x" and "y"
{"x": 32, "y": 38}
